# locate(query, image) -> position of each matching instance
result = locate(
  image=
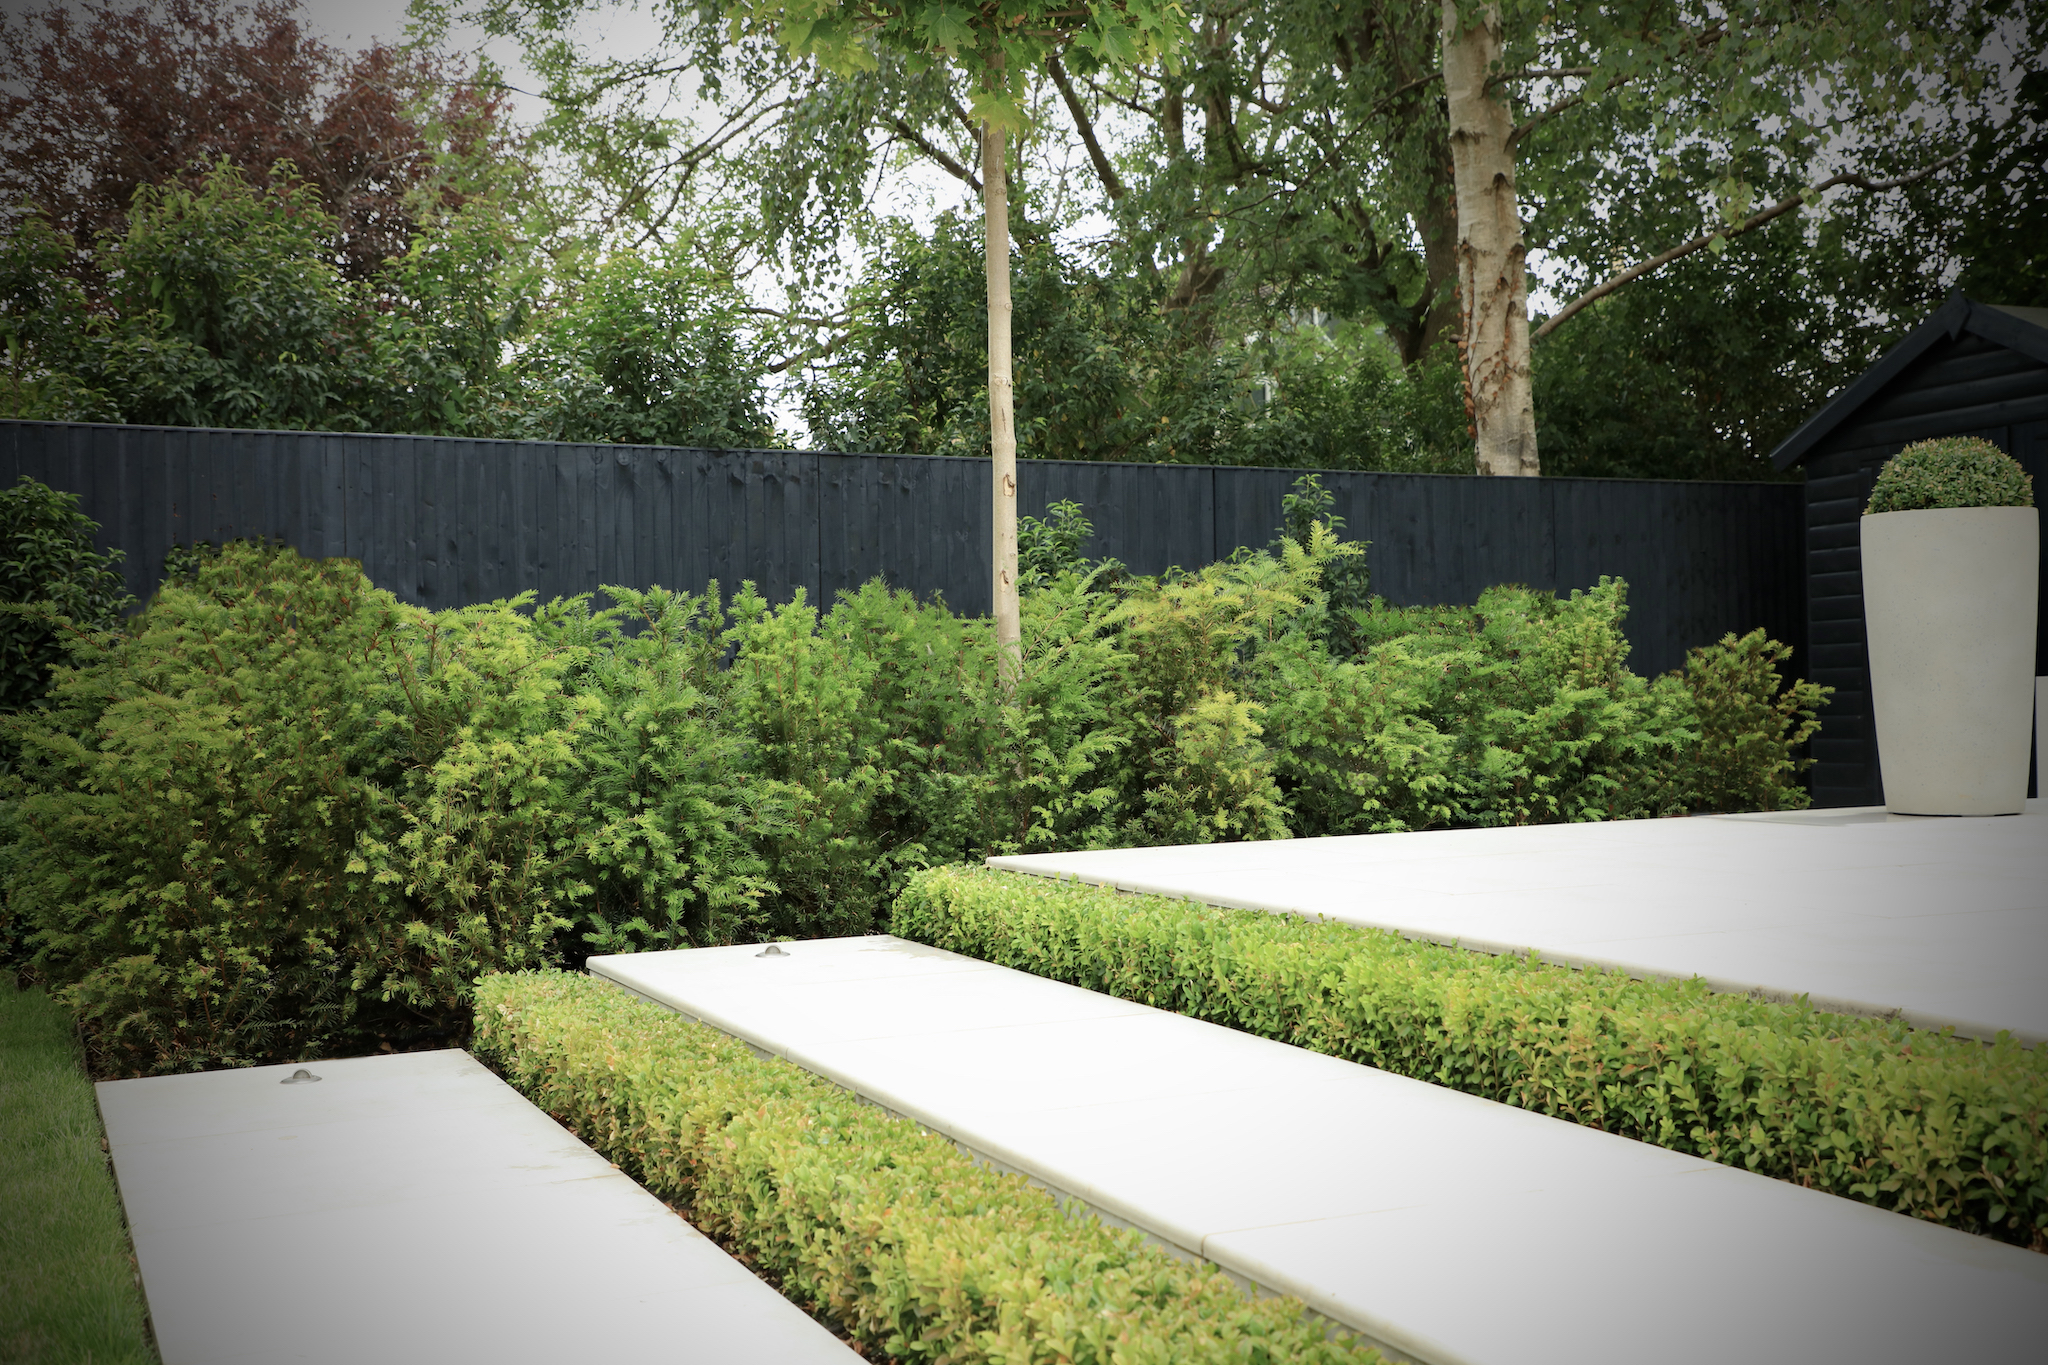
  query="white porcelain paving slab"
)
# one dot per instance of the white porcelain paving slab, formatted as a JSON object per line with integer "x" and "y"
{"x": 1454, "y": 1230}
{"x": 1943, "y": 922}
{"x": 414, "y": 1208}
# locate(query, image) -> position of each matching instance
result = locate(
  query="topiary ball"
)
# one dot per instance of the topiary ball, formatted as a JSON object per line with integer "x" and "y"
{"x": 1951, "y": 471}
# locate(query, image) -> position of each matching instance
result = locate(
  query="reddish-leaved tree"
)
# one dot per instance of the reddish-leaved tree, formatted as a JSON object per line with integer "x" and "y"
{"x": 102, "y": 97}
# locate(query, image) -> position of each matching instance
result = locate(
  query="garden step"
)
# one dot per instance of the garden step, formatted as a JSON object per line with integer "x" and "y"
{"x": 1449, "y": 1229}
{"x": 1943, "y": 922}
{"x": 414, "y": 1208}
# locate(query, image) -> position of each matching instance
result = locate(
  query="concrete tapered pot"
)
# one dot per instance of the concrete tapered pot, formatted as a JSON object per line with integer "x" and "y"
{"x": 1950, "y": 602}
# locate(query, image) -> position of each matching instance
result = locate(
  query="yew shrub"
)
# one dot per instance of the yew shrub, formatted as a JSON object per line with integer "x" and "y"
{"x": 282, "y": 812}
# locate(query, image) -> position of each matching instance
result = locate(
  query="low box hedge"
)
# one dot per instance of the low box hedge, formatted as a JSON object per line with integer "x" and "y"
{"x": 1943, "y": 1128}
{"x": 888, "y": 1231}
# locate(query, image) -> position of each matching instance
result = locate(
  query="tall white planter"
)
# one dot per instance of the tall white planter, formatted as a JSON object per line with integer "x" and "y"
{"x": 1950, "y": 601}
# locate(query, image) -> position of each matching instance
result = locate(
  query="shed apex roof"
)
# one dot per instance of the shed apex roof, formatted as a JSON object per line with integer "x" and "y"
{"x": 2017, "y": 329}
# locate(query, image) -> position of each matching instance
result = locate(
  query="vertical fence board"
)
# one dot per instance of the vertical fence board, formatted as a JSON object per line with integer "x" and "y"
{"x": 442, "y": 521}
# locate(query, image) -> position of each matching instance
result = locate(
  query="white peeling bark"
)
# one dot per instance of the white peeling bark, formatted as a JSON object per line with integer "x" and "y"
{"x": 1493, "y": 275}
{"x": 1002, "y": 415}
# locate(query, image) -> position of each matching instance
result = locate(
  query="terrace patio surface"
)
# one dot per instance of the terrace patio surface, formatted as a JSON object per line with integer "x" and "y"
{"x": 414, "y": 1209}
{"x": 1449, "y": 1229}
{"x": 1942, "y": 922}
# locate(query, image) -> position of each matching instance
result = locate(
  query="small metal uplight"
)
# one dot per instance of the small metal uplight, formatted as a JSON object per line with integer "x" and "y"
{"x": 299, "y": 1077}
{"x": 772, "y": 950}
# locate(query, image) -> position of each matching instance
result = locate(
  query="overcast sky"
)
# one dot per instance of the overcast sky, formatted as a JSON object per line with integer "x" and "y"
{"x": 351, "y": 24}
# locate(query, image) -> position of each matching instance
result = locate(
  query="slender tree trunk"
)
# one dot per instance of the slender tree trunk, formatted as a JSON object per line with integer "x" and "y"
{"x": 1002, "y": 416}
{"x": 1493, "y": 275}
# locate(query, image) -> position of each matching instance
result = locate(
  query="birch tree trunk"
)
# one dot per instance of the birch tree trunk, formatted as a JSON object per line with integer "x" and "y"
{"x": 1493, "y": 275}
{"x": 1002, "y": 416}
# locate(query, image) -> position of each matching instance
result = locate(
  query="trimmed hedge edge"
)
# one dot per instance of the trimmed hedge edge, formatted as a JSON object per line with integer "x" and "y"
{"x": 888, "y": 1231}
{"x": 1946, "y": 1129}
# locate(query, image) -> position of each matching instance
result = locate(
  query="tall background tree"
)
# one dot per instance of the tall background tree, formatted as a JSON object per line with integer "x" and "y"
{"x": 1249, "y": 255}
{"x": 999, "y": 46}
{"x": 104, "y": 98}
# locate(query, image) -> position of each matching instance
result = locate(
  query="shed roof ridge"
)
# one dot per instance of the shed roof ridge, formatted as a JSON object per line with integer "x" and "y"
{"x": 2019, "y": 329}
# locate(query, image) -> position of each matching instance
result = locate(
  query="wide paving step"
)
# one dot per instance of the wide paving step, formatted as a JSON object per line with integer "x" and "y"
{"x": 1941, "y": 921}
{"x": 414, "y": 1210}
{"x": 1445, "y": 1227}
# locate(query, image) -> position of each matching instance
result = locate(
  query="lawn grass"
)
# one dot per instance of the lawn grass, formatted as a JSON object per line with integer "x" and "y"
{"x": 67, "y": 1280}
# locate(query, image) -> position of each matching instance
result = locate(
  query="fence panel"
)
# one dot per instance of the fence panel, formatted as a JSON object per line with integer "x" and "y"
{"x": 443, "y": 522}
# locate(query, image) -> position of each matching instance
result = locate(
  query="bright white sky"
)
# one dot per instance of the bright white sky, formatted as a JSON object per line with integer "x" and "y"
{"x": 352, "y": 24}
{"x": 616, "y": 30}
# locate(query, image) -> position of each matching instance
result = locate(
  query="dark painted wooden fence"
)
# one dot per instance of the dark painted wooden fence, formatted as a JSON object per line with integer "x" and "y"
{"x": 446, "y": 522}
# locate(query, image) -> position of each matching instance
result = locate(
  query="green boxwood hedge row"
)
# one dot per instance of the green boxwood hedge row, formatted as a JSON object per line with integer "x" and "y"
{"x": 884, "y": 1229}
{"x": 1942, "y": 1128}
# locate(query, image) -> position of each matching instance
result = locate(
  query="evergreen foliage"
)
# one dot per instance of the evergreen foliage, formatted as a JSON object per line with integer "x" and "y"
{"x": 47, "y": 561}
{"x": 226, "y": 307}
{"x": 285, "y": 813}
{"x": 1103, "y": 374}
{"x": 1950, "y": 471}
{"x": 1051, "y": 547}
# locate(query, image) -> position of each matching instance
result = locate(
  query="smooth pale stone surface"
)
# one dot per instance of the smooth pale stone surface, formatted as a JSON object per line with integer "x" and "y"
{"x": 1943, "y": 922}
{"x": 1454, "y": 1230}
{"x": 414, "y": 1208}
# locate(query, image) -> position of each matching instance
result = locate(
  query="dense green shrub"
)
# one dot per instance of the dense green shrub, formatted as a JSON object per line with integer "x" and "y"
{"x": 287, "y": 812}
{"x": 47, "y": 557}
{"x": 1346, "y": 581}
{"x": 519, "y": 784}
{"x": 1521, "y": 709}
{"x": 224, "y": 302}
{"x": 884, "y": 1230}
{"x": 1051, "y": 547}
{"x": 186, "y": 808}
{"x": 1952, "y": 471}
{"x": 1927, "y": 1124}
{"x": 1750, "y": 730}
{"x": 671, "y": 822}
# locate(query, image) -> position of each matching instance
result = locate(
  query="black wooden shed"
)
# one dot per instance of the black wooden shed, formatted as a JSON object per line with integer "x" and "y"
{"x": 1972, "y": 369}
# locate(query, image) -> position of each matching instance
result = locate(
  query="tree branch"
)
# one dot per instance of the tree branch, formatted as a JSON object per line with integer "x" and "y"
{"x": 1150, "y": 111}
{"x": 1552, "y": 74}
{"x": 954, "y": 168}
{"x": 1529, "y": 125}
{"x": 1705, "y": 38}
{"x": 1107, "y": 172}
{"x": 973, "y": 128}
{"x": 804, "y": 357}
{"x": 1755, "y": 220}
{"x": 1388, "y": 100}
{"x": 834, "y": 320}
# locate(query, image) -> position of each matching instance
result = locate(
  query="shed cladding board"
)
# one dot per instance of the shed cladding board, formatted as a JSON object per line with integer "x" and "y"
{"x": 443, "y": 522}
{"x": 1962, "y": 386}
